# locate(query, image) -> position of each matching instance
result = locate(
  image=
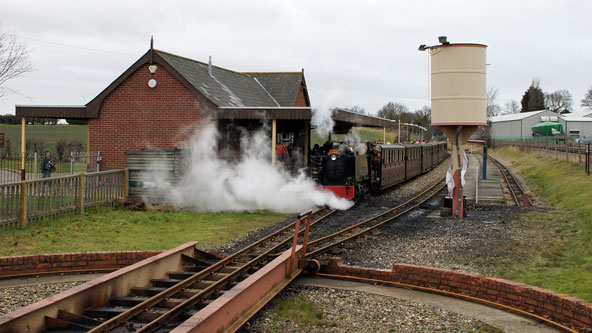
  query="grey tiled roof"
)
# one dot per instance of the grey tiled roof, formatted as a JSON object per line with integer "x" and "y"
{"x": 225, "y": 88}
{"x": 282, "y": 86}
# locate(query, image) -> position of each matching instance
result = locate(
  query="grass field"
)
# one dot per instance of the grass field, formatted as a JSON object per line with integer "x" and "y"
{"x": 109, "y": 229}
{"x": 366, "y": 134}
{"x": 48, "y": 134}
{"x": 564, "y": 261}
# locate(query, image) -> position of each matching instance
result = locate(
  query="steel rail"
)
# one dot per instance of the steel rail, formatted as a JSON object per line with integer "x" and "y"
{"x": 510, "y": 179}
{"x": 123, "y": 317}
{"x": 188, "y": 303}
{"x": 431, "y": 192}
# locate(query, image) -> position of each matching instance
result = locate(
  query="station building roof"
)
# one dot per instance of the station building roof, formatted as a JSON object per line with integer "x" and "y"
{"x": 262, "y": 92}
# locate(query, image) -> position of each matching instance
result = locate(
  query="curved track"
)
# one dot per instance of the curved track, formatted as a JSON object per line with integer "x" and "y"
{"x": 338, "y": 238}
{"x": 169, "y": 301}
{"x": 516, "y": 189}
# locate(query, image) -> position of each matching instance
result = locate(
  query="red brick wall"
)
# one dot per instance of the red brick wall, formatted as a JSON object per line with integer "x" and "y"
{"x": 64, "y": 262}
{"x": 564, "y": 309}
{"x": 301, "y": 98}
{"x": 135, "y": 116}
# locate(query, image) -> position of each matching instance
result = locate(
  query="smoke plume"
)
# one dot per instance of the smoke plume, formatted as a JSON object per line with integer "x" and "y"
{"x": 322, "y": 117}
{"x": 251, "y": 183}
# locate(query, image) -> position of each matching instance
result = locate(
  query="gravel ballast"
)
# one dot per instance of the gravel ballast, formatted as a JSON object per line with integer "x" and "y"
{"x": 13, "y": 298}
{"x": 352, "y": 311}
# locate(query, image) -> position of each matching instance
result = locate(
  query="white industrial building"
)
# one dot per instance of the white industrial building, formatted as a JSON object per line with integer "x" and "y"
{"x": 519, "y": 125}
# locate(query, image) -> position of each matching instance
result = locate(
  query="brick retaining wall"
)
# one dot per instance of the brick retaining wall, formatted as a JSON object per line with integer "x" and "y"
{"x": 70, "y": 262}
{"x": 564, "y": 309}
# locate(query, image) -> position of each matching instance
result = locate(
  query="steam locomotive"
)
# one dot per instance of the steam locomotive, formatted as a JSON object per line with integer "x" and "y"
{"x": 352, "y": 172}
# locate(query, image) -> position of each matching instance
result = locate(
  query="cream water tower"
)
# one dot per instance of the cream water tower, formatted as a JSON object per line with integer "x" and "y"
{"x": 459, "y": 101}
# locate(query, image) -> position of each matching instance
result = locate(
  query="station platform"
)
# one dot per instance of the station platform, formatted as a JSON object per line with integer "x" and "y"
{"x": 478, "y": 190}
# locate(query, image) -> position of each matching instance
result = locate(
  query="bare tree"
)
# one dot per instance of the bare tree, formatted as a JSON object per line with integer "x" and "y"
{"x": 493, "y": 109}
{"x": 587, "y": 101}
{"x": 559, "y": 101}
{"x": 423, "y": 116}
{"x": 395, "y": 111}
{"x": 357, "y": 109}
{"x": 511, "y": 107}
{"x": 13, "y": 61}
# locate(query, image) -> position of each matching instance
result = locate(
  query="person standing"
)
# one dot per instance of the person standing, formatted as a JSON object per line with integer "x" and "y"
{"x": 47, "y": 165}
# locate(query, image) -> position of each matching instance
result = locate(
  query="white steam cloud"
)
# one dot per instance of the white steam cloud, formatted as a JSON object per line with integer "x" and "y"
{"x": 322, "y": 117}
{"x": 251, "y": 183}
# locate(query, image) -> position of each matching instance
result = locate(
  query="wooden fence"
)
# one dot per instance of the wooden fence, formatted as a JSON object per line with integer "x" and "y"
{"x": 567, "y": 151}
{"x": 56, "y": 196}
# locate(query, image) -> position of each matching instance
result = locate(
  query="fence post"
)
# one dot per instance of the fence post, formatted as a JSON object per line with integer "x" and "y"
{"x": 125, "y": 182}
{"x": 579, "y": 153}
{"x": 588, "y": 159}
{"x": 35, "y": 167}
{"x": 98, "y": 161}
{"x": 80, "y": 202}
{"x": 71, "y": 162}
{"x": 484, "y": 162}
{"x": 23, "y": 204}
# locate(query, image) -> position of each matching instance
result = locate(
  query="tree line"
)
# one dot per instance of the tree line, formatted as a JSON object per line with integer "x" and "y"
{"x": 400, "y": 112}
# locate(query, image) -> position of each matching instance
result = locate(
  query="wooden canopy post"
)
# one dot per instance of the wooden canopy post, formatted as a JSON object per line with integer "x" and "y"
{"x": 23, "y": 146}
{"x": 399, "y": 136}
{"x": 306, "y": 142}
{"x": 384, "y": 135}
{"x": 273, "y": 140}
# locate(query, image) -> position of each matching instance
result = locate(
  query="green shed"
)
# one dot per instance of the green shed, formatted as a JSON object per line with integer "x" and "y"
{"x": 547, "y": 128}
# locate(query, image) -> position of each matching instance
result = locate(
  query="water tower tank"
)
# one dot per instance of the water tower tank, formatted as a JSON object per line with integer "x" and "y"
{"x": 458, "y": 84}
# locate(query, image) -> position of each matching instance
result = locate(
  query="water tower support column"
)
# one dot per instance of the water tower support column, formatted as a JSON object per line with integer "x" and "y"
{"x": 458, "y": 137}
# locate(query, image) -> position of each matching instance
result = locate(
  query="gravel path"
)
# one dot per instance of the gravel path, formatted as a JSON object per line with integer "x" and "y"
{"x": 352, "y": 311}
{"x": 13, "y": 298}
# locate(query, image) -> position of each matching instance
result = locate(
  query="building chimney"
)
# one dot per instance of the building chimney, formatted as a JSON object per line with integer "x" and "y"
{"x": 210, "y": 66}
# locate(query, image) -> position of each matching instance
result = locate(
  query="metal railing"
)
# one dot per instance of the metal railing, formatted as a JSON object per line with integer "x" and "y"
{"x": 11, "y": 165}
{"x": 50, "y": 197}
{"x": 568, "y": 151}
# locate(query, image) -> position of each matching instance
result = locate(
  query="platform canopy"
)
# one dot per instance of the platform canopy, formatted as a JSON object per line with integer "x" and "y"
{"x": 345, "y": 120}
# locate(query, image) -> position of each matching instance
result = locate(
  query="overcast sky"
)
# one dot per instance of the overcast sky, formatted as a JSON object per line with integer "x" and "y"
{"x": 354, "y": 52}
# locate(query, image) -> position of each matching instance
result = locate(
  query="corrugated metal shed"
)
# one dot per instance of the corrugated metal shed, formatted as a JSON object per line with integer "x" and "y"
{"x": 153, "y": 171}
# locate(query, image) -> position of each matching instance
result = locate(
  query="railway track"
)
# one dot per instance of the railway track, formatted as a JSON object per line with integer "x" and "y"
{"x": 168, "y": 297}
{"x": 170, "y": 300}
{"x": 516, "y": 190}
{"x": 338, "y": 238}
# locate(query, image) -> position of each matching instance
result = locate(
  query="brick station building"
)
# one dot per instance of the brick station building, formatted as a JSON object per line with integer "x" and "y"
{"x": 162, "y": 99}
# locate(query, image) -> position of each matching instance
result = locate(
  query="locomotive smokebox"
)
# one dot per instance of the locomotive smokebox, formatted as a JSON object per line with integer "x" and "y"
{"x": 459, "y": 102}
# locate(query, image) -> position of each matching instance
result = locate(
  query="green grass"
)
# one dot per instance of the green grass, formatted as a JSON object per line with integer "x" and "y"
{"x": 109, "y": 229}
{"x": 48, "y": 134}
{"x": 366, "y": 134}
{"x": 564, "y": 262}
{"x": 298, "y": 309}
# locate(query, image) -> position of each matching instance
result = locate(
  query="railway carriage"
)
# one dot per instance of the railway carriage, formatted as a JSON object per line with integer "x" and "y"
{"x": 412, "y": 161}
{"x": 427, "y": 156}
{"x": 351, "y": 173}
{"x": 392, "y": 165}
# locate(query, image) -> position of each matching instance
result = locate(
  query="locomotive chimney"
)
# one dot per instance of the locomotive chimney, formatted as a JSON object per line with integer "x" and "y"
{"x": 210, "y": 66}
